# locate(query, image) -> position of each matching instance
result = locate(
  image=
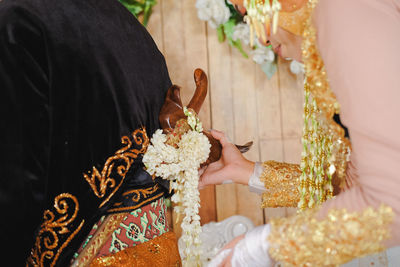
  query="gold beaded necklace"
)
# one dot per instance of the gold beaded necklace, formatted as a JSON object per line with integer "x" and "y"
{"x": 325, "y": 148}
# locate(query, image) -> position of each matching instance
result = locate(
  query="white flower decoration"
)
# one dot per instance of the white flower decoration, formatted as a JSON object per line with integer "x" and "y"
{"x": 241, "y": 32}
{"x": 180, "y": 166}
{"x": 296, "y": 67}
{"x": 215, "y": 12}
{"x": 263, "y": 54}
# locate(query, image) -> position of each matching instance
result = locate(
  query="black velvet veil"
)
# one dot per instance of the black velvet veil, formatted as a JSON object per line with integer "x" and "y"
{"x": 76, "y": 76}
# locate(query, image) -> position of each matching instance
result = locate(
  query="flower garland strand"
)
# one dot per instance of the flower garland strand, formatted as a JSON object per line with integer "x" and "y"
{"x": 180, "y": 166}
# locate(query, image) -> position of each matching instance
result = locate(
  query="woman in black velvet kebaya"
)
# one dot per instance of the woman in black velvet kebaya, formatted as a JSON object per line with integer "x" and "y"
{"x": 82, "y": 84}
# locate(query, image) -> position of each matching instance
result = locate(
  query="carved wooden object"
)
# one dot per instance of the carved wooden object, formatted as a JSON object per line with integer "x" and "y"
{"x": 172, "y": 112}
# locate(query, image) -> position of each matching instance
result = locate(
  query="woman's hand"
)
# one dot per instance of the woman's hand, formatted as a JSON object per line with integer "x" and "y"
{"x": 226, "y": 262}
{"x": 250, "y": 249}
{"x": 232, "y": 166}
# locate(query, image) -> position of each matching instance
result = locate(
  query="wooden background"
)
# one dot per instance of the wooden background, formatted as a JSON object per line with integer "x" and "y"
{"x": 241, "y": 101}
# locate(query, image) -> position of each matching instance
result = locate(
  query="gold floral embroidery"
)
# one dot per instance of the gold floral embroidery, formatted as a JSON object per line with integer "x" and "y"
{"x": 54, "y": 229}
{"x": 136, "y": 198}
{"x": 122, "y": 160}
{"x": 304, "y": 240}
{"x": 161, "y": 251}
{"x": 92, "y": 248}
{"x": 137, "y": 193}
{"x": 281, "y": 181}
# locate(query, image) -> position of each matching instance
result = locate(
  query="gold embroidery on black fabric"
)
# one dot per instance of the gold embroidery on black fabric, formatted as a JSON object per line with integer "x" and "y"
{"x": 137, "y": 193}
{"x": 121, "y": 161}
{"x": 136, "y": 198}
{"x": 55, "y": 228}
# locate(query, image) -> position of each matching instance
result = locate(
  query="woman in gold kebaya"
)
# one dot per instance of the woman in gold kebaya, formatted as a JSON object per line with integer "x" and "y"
{"x": 346, "y": 187}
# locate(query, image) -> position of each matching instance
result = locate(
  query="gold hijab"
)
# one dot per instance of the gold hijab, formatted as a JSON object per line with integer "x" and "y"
{"x": 290, "y": 15}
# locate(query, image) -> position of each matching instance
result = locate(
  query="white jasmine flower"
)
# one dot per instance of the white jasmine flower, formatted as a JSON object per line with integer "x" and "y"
{"x": 180, "y": 166}
{"x": 263, "y": 54}
{"x": 296, "y": 67}
{"x": 241, "y": 32}
{"x": 214, "y": 11}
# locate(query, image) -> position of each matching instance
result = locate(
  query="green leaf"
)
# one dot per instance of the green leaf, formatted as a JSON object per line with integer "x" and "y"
{"x": 137, "y": 7}
{"x": 134, "y": 7}
{"x": 238, "y": 45}
{"x": 220, "y": 32}
{"x": 269, "y": 68}
{"x": 229, "y": 26}
{"x": 147, "y": 11}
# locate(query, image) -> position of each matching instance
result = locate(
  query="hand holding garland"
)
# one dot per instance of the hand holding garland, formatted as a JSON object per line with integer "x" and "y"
{"x": 231, "y": 167}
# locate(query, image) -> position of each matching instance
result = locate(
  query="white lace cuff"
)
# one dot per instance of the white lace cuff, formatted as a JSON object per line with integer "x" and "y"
{"x": 255, "y": 185}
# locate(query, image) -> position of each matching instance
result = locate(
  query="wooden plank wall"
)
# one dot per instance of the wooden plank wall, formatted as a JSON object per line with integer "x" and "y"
{"x": 242, "y": 102}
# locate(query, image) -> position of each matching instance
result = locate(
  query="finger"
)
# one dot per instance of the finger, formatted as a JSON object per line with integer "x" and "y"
{"x": 211, "y": 168}
{"x": 210, "y": 179}
{"x": 214, "y": 166}
{"x": 202, "y": 170}
{"x": 233, "y": 242}
{"x": 221, "y": 137}
{"x": 213, "y": 175}
{"x": 218, "y": 259}
{"x": 227, "y": 261}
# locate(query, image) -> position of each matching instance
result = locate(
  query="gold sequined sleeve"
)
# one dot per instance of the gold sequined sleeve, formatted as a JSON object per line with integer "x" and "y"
{"x": 281, "y": 181}
{"x": 304, "y": 240}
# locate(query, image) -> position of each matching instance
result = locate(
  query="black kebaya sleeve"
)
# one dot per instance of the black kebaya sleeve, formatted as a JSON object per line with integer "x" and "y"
{"x": 24, "y": 132}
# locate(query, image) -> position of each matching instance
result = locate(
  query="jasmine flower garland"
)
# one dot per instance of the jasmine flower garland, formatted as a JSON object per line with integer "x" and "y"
{"x": 179, "y": 164}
